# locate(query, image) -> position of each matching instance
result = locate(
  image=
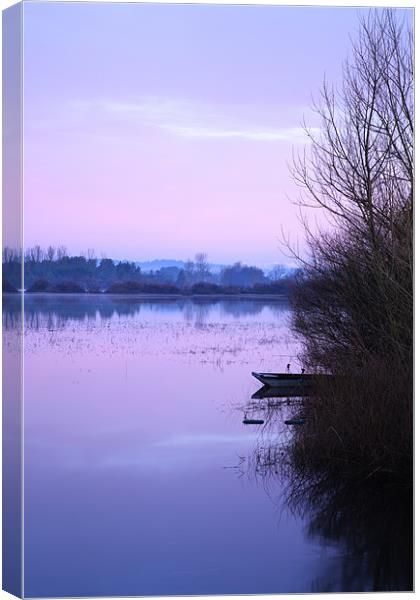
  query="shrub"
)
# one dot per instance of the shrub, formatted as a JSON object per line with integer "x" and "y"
{"x": 206, "y": 288}
{"x": 134, "y": 287}
{"x": 8, "y": 287}
{"x": 359, "y": 423}
{"x": 40, "y": 285}
{"x": 67, "y": 287}
{"x": 276, "y": 287}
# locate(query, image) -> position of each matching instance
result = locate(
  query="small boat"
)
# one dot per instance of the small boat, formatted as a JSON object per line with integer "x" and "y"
{"x": 284, "y": 380}
{"x": 253, "y": 422}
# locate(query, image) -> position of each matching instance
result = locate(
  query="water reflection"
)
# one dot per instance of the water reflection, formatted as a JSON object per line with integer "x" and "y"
{"x": 369, "y": 523}
{"x": 53, "y": 310}
{"x": 284, "y": 392}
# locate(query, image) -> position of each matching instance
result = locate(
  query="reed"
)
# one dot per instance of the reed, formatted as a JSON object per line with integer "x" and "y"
{"x": 359, "y": 424}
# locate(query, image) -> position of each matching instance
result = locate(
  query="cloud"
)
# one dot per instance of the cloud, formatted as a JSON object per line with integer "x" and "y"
{"x": 292, "y": 134}
{"x": 187, "y": 119}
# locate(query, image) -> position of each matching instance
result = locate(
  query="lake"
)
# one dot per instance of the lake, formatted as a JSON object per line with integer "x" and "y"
{"x": 140, "y": 477}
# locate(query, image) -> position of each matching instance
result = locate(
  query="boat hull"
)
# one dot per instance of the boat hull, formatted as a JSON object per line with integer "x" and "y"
{"x": 285, "y": 380}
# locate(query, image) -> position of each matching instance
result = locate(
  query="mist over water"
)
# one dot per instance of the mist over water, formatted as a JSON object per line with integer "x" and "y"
{"x": 140, "y": 477}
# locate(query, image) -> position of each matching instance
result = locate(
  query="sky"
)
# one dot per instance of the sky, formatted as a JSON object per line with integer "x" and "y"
{"x": 158, "y": 131}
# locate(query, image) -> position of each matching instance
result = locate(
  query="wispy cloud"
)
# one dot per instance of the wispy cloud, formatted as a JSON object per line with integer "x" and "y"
{"x": 293, "y": 134}
{"x": 200, "y": 121}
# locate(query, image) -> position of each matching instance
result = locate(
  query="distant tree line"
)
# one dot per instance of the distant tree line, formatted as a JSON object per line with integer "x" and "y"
{"x": 53, "y": 270}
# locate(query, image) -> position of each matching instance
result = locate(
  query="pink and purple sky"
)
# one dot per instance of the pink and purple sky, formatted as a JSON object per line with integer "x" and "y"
{"x": 156, "y": 131}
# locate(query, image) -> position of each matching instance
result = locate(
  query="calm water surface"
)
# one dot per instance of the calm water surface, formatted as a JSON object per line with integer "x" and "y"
{"x": 139, "y": 475}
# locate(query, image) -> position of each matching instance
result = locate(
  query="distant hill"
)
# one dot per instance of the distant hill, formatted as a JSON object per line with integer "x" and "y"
{"x": 156, "y": 264}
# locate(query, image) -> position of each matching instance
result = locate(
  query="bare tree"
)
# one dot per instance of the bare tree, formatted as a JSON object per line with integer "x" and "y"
{"x": 202, "y": 270}
{"x": 356, "y": 296}
{"x": 34, "y": 254}
{"x": 277, "y": 272}
{"x": 10, "y": 255}
{"x": 50, "y": 253}
{"x": 61, "y": 252}
{"x": 189, "y": 273}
